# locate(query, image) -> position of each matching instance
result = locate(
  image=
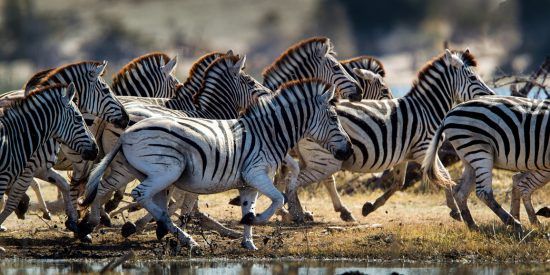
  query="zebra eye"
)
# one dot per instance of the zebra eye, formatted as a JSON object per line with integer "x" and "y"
{"x": 472, "y": 78}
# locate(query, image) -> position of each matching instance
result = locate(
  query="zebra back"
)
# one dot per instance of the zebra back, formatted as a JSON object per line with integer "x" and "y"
{"x": 150, "y": 75}
{"x": 312, "y": 58}
{"x": 371, "y": 82}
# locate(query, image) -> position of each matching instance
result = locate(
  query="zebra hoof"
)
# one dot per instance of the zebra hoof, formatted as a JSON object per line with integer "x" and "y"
{"x": 367, "y": 209}
{"x": 235, "y": 201}
{"x": 134, "y": 208}
{"x": 105, "y": 220}
{"x": 248, "y": 219}
{"x": 128, "y": 229}
{"x": 346, "y": 216}
{"x": 47, "y": 216}
{"x": 248, "y": 244}
{"x": 22, "y": 207}
{"x": 85, "y": 238}
{"x": 71, "y": 225}
{"x": 285, "y": 199}
{"x": 110, "y": 206}
{"x": 455, "y": 215}
{"x": 161, "y": 231}
{"x": 308, "y": 217}
{"x": 544, "y": 212}
{"x": 3, "y": 229}
{"x": 85, "y": 228}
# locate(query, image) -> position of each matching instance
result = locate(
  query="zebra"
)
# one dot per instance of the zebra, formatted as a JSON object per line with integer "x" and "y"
{"x": 389, "y": 133}
{"x": 495, "y": 132}
{"x": 30, "y": 120}
{"x": 150, "y": 75}
{"x": 370, "y": 76}
{"x": 210, "y": 156}
{"x": 312, "y": 58}
{"x": 224, "y": 74}
{"x": 94, "y": 98}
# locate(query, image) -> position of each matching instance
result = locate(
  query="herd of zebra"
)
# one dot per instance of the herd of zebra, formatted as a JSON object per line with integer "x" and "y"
{"x": 221, "y": 129}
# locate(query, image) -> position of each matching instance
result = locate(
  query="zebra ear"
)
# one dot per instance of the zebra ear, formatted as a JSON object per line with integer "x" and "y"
{"x": 170, "y": 67}
{"x": 100, "y": 69}
{"x": 67, "y": 93}
{"x": 364, "y": 74}
{"x": 322, "y": 50}
{"x": 239, "y": 66}
{"x": 452, "y": 59}
{"x": 229, "y": 52}
{"x": 329, "y": 94}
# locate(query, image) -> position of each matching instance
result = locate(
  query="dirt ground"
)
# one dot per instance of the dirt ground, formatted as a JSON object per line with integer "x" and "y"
{"x": 411, "y": 226}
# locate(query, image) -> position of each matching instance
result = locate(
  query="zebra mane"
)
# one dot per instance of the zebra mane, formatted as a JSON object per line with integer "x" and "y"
{"x": 197, "y": 72}
{"x": 309, "y": 44}
{"x": 365, "y": 62}
{"x": 36, "y": 78}
{"x": 10, "y": 102}
{"x": 466, "y": 57}
{"x": 151, "y": 58}
{"x": 296, "y": 90}
{"x": 224, "y": 60}
{"x": 41, "y": 78}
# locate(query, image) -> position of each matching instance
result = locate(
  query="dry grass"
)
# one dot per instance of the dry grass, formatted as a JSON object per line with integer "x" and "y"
{"x": 411, "y": 226}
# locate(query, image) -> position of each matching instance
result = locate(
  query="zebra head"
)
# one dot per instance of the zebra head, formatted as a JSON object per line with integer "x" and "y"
{"x": 327, "y": 129}
{"x": 71, "y": 129}
{"x": 93, "y": 95}
{"x": 466, "y": 83}
{"x": 331, "y": 70}
{"x": 369, "y": 73}
{"x": 227, "y": 89}
{"x": 373, "y": 84}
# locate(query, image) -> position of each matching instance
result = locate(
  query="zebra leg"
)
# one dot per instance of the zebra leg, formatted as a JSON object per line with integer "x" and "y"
{"x": 16, "y": 192}
{"x": 43, "y": 207}
{"x": 53, "y": 176}
{"x": 248, "y": 198}
{"x": 516, "y": 196}
{"x": 154, "y": 186}
{"x": 399, "y": 172}
{"x": 462, "y": 191}
{"x": 130, "y": 228}
{"x": 526, "y": 186}
{"x": 264, "y": 185}
{"x": 345, "y": 214}
{"x": 483, "y": 169}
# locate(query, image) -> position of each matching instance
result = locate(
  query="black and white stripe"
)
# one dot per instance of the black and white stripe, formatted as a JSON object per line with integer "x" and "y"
{"x": 149, "y": 75}
{"x": 389, "y": 133}
{"x": 370, "y": 77}
{"x": 93, "y": 97}
{"x": 496, "y": 132}
{"x": 32, "y": 120}
{"x": 209, "y": 156}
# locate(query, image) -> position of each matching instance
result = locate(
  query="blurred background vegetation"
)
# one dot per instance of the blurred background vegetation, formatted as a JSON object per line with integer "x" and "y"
{"x": 507, "y": 37}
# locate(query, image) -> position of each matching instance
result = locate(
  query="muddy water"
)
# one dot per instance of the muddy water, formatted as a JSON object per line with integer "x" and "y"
{"x": 228, "y": 267}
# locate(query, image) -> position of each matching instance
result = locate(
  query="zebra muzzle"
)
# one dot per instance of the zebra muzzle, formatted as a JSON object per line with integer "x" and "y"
{"x": 343, "y": 154}
{"x": 90, "y": 153}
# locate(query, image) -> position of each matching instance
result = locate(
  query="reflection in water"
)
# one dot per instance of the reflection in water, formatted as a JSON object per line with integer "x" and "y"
{"x": 229, "y": 267}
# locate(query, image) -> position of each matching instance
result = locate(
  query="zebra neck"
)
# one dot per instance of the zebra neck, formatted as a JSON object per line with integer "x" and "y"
{"x": 276, "y": 130}
{"x": 434, "y": 99}
{"x": 25, "y": 132}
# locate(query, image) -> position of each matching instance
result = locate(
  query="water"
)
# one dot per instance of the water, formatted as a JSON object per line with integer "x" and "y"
{"x": 230, "y": 267}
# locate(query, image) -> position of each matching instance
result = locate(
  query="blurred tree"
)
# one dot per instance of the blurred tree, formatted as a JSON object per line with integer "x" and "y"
{"x": 23, "y": 31}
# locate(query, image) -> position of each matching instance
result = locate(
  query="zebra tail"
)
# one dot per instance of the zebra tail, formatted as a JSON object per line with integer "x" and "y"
{"x": 431, "y": 173}
{"x": 96, "y": 174}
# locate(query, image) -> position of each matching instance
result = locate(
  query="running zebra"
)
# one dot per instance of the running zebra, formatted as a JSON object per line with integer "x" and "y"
{"x": 210, "y": 156}
{"x": 389, "y": 133}
{"x": 224, "y": 74}
{"x": 312, "y": 58}
{"x": 30, "y": 120}
{"x": 149, "y": 75}
{"x": 94, "y": 98}
{"x": 495, "y": 132}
